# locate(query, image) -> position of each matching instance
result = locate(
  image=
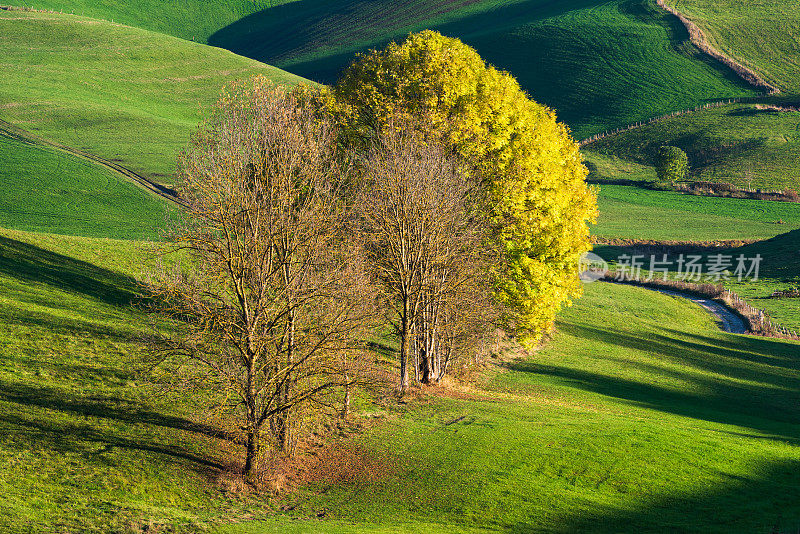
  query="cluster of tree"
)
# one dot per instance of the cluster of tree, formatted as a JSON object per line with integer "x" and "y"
{"x": 425, "y": 190}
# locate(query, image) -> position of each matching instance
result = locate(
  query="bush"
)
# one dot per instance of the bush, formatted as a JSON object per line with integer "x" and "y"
{"x": 672, "y": 164}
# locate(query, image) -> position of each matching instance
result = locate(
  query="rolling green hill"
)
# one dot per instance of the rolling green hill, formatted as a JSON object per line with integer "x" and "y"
{"x": 193, "y": 20}
{"x": 780, "y": 270}
{"x": 747, "y": 145}
{"x": 762, "y": 34}
{"x": 599, "y": 63}
{"x": 640, "y": 415}
{"x": 128, "y": 95}
{"x": 47, "y": 190}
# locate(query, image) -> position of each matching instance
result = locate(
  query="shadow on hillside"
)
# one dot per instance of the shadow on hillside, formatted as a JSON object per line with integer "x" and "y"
{"x": 559, "y": 65}
{"x": 71, "y": 437}
{"x": 56, "y": 323}
{"x": 763, "y": 503}
{"x": 105, "y": 407}
{"x": 289, "y": 32}
{"x": 107, "y": 421}
{"x": 29, "y": 263}
{"x": 743, "y": 381}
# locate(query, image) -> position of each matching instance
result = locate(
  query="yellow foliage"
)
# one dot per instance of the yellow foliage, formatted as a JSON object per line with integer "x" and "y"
{"x": 535, "y": 179}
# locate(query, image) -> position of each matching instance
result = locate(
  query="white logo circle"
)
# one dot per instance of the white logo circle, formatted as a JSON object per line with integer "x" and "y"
{"x": 592, "y": 267}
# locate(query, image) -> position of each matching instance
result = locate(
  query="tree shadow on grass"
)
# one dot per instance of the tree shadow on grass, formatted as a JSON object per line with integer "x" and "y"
{"x": 107, "y": 407}
{"x": 763, "y": 398}
{"x": 68, "y": 326}
{"x": 744, "y": 381}
{"x": 72, "y": 436}
{"x": 737, "y": 356}
{"x": 29, "y": 263}
{"x": 763, "y": 503}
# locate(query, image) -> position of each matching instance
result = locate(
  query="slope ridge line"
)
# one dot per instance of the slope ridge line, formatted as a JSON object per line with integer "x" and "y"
{"x": 699, "y": 39}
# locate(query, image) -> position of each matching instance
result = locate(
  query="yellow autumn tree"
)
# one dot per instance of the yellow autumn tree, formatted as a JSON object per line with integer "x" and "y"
{"x": 537, "y": 199}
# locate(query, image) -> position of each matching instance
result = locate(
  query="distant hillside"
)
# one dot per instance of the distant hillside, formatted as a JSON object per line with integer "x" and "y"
{"x": 125, "y": 94}
{"x": 746, "y": 145}
{"x": 600, "y": 64}
{"x": 781, "y": 256}
{"x": 761, "y": 34}
{"x": 779, "y": 270}
{"x": 194, "y": 20}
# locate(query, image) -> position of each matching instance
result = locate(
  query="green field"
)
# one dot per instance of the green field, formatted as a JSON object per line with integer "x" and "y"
{"x": 633, "y": 212}
{"x": 600, "y": 64}
{"x": 83, "y": 443}
{"x": 604, "y": 167}
{"x": 193, "y": 20}
{"x": 47, "y": 190}
{"x": 640, "y": 415}
{"x": 780, "y": 270}
{"x": 738, "y": 144}
{"x": 124, "y": 94}
{"x": 762, "y": 35}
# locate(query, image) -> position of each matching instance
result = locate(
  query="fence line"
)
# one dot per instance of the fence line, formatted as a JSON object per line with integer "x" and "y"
{"x": 635, "y": 125}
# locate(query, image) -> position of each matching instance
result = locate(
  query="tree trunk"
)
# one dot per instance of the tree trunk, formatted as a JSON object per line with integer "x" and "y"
{"x": 285, "y": 428}
{"x": 424, "y": 365}
{"x": 253, "y": 438}
{"x": 346, "y": 403}
{"x": 284, "y": 431}
{"x": 404, "y": 346}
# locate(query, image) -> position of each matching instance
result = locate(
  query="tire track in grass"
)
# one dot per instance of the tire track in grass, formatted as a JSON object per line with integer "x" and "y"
{"x": 15, "y": 132}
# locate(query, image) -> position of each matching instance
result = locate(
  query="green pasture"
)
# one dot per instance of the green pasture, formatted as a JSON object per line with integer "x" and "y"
{"x": 600, "y": 63}
{"x": 762, "y": 35}
{"x": 636, "y": 213}
{"x": 47, "y": 190}
{"x": 639, "y": 416}
{"x": 747, "y": 145}
{"x": 127, "y": 95}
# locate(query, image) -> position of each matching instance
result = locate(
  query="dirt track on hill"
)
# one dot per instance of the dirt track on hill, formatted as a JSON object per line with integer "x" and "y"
{"x": 699, "y": 39}
{"x": 727, "y": 320}
{"x": 8, "y": 129}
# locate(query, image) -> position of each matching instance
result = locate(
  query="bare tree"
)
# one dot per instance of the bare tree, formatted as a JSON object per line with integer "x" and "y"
{"x": 270, "y": 307}
{"x": 425, "y": 242}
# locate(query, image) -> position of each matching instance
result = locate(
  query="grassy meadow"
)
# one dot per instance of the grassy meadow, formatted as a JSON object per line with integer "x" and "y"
{"x": 742, "y": 144}
{"x": 636, "y": 213}
{"x": 46, "y": 190}
{"x": 639, "y": 415}
{"x": 762, "y": 35}
{"x": 600, "y": 64}
{"x": 83, "y": 443}
{"x": 193, "y": 20}
{"x": 124, "y": 94}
